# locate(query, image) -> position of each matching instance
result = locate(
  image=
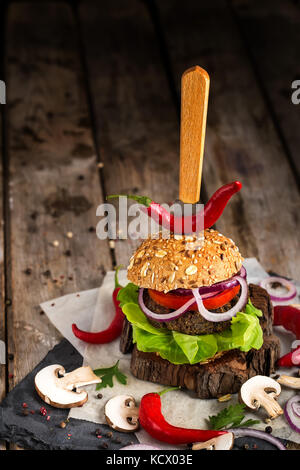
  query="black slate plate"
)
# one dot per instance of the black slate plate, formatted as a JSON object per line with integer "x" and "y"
{"x": 33, "y": 431}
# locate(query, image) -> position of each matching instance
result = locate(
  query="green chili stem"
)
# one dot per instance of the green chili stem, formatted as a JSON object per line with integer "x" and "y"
{"x": 168, "y": 390}
{"x": 117, "y": 284}
{"x": 144, "y": 200}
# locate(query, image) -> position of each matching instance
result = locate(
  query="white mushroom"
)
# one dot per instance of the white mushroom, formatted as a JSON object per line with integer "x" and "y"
{"x": 288, "y": 381}
{"x": 61, "y": 392}
{"x": 122, "y": 414}
{"x": 223, "y": 442}
{"x": 262, "y": 391}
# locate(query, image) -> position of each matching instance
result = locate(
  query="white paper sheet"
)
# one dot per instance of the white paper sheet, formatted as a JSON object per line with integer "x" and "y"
{"x": 93, "y": 310}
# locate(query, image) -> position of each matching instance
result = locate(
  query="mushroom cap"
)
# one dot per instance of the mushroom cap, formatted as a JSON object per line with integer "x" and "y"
{"x": 118, "y": 413}
{"x": 223, "y": 442}
{"x": 254, "y": 387}
{"x": 57, "y": 391}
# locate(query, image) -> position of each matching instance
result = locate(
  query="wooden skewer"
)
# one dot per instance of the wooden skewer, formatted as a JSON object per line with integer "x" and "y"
{"x": 194, "y": 101}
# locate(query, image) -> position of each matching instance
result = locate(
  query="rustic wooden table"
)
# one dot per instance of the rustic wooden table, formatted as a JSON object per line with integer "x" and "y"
{"x": 92, "y": 109}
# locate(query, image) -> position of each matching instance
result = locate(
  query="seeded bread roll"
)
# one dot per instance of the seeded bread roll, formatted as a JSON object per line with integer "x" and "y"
{"x": 180, "y": 261}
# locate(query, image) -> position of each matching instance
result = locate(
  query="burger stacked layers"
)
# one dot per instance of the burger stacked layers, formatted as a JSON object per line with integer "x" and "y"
{"x": 189, "y": 303}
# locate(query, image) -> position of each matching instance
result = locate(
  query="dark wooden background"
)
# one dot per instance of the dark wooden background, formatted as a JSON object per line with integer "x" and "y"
{"x": 93, "y": 108}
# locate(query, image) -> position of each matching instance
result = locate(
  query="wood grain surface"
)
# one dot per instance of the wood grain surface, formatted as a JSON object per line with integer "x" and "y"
{"x": 2, "y": 278}
{"x": 54, "y": 188}
{"x": 241, "y": 140}
{"x": 271, "y": 32}
{"x": 194, "y": 102}
{"x": 93, "y": 96}
{"x": 137, "y": 131}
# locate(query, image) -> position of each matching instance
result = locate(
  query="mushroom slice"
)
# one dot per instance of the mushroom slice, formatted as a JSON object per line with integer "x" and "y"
{"x": 262, "y": 391}
{"x": 122, "y": 414}
{"x": 59, "y": 391}
{"x": 288, "y": 381}
{"x": 223, "y": 442}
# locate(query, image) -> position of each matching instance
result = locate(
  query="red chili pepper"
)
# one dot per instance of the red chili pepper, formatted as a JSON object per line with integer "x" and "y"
{"x": 152, "y": 420}
{"x": 115, "y": 328}
{"x": 288, "y": 317}
{"x": 212, "y": 210}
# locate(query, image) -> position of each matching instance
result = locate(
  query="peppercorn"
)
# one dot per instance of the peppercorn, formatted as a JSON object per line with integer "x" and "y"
{"x": 98, "y": 432}
{"x": 28, "y": 271}
{"x": 109, "y": 434}
{"x": 99, "y": 395}
{"x": 67, "y": 253}
{"x": 104, "y": 445}
{"x": 43, "y": 411}
{"x": 25, "y": 412}
{"x": 269, "y": 429}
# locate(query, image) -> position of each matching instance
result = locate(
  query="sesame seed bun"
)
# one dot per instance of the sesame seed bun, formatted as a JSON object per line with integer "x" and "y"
{"x": 166, "y": 264}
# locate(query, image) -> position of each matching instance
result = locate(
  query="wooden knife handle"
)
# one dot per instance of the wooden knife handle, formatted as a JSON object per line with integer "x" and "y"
{"x": 194, "y": 101}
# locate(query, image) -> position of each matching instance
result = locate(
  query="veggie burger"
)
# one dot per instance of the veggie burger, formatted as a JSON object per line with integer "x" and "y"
{"x": 189, "y": 306}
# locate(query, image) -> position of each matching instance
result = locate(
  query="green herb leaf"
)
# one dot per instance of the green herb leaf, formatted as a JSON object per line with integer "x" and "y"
{"x": 230, "y": 417}
{"x": 107, "y": 374}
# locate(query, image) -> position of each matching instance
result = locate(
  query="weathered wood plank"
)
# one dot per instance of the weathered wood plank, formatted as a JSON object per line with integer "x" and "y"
{"x": 241, "y": 142}
{"x": 3, "y": 366}
{"x": 136, "y": 121}
{"x": 54, "y": 187}
{"x": 271, "y": 30}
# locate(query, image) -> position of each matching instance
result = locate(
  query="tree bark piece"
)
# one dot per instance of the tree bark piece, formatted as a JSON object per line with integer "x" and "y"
{"x": 226, "y": 374}
{"x": 126, "y": 344}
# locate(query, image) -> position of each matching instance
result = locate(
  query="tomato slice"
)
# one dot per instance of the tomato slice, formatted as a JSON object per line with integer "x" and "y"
{"x": 174, "y": 301}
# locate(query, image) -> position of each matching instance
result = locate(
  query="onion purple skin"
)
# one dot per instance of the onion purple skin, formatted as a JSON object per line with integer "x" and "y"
{"x": 163, "y": 317}
{"x": 292, "y": 419}
{"x": 215, "y": 288}
{"x": 285, "y": 283}
{"x": 246, "y": 432}
{"x": 209, "y": 316}
{"x": 217, "y": 317}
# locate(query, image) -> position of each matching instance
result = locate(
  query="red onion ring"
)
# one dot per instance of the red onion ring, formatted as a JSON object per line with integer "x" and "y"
{"x": 215, "y": 289}
{"x": 162, "y": 317}
{"x": 293, "y": 418}
{"x": 246, "y": 432}
{"x": 265, "y": 283}
{"x": 216, "y": 317}
{"x": 296, "y": 409}
{"x": 296, "y": 357}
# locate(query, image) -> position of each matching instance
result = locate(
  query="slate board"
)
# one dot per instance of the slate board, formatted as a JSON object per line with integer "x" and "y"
{"x": 35, "y": 432}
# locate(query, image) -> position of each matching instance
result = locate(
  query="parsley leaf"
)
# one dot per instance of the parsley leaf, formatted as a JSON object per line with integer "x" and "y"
{"x": 107, "y": 374}
{"x": 230, "y": 417}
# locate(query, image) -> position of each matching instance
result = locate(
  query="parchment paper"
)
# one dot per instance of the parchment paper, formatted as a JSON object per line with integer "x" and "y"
{"x": 93, "y": 310}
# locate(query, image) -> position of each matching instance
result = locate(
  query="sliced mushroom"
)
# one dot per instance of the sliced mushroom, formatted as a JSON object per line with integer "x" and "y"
{"x": 288, "y": 381}
{"x": 61, "y": 392}
{"x": 223, "y": 442}
{"x": 262, "y": 391}
{"x": 122, "y": 414}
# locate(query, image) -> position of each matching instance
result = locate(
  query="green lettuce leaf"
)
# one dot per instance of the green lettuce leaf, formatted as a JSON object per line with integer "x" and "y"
{"x": 164, "y": 344}
{"x": 128, "y": 294}
{"x": 244, "y": 333}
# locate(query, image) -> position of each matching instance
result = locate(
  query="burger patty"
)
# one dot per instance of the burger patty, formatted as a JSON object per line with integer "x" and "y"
{"x": 191, "y": 322}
